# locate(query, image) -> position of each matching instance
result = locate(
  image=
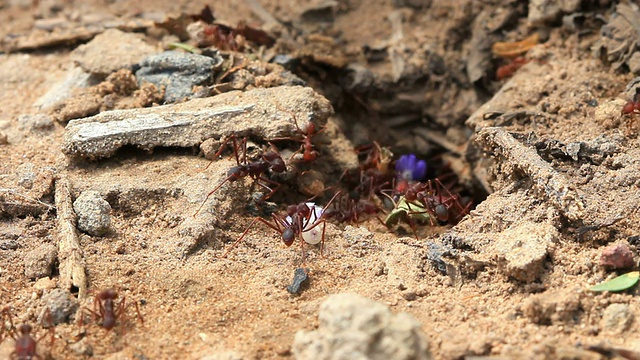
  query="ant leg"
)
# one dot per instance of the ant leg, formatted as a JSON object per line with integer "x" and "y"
{"x": 138, "y": 311}
{"x": 6, "y": 312}
{"x": 324, "y": 226}
{"x": 220, "y": 150}
{"x": 413, "y": 228}
{"x": 267, "y": 187}
{"x": 50, "y": 325}
{"x": 274, "y": 227}
{"x": 214, "y": 190}
{"x": 329, "y": 203}
{"x": 121, "y": 313}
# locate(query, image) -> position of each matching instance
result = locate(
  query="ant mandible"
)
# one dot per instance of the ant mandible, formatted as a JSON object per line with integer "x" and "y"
{"x": 270, "y": 160}
{"x": 108, "y": 311}
{"x": 301, "y": 220}
{"x": 25, "y": 345}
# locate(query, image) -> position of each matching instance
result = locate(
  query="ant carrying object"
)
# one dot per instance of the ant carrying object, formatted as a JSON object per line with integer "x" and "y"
{"x": 445, "y": 208}
{"x": 428, "y": 202}
{"x": 25, "y": 344}
{"x": 108, "y": 310}
{"x": 270, "y": 160}
{"x": 302, "y": 220}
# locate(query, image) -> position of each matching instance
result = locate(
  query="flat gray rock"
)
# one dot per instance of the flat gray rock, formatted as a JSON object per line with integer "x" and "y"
{"x": 111, "y": 51}
{"x": 178, "y": 72}
{"x": 265, "y": 113}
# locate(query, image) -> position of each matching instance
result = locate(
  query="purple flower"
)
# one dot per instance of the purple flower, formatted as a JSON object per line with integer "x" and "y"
{"x": 409, "y": 168}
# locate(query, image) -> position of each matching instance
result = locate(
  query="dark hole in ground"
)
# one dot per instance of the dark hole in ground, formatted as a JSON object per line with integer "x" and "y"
{"x": 364, "y": 122}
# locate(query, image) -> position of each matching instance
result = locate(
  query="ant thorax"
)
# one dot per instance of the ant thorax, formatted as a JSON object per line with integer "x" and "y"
{"x": 311, "y": 233}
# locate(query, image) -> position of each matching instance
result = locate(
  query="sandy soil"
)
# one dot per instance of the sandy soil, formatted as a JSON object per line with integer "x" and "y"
{"x": 562, "y": 205}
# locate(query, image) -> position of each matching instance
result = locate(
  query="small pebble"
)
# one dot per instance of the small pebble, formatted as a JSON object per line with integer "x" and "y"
{"x": 617, "y": 256}
{"x": 39, "y": 262}
{"x": 409, "y": 295}
{"x": 44, "y": 283}
{"x": 299, "y": 277}
{"x": 9, "y": 245}
{"x": 61, "y": 306}
{"x": 94, "y": 213}
{"x": 81, "y": 348}
{"x": 617, "y": 318}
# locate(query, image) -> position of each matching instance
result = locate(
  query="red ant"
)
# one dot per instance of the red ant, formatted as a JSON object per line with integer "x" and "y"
{"x": 309, "y": 153}
{"x": 350, "y": 210}
{"x": 229, "y": 38}
{"x": 445, "y": 209}
{"x": 270, "y": 160}
{"x": 108, "y": 311}
{"x": 373, "y": 175}
{"x": 301, "y": 220}
{"x": 509, "y": 69}
{"x": 25, "y": 344}
{"x": 427, "y": 199}
{"x": 632, "y": 106}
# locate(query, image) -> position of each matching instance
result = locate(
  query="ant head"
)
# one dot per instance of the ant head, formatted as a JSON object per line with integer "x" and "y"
{"x": 292, "y": 209}
{"x": 107, "y": 294}
{"x": 277, "y": 164}
{"x": 25, "y": 329}
{"x": 288, "y": 235}
{"x": 235, "y": 171}
{"x": 411, "y": 194}
{"x": 442, "y": 213}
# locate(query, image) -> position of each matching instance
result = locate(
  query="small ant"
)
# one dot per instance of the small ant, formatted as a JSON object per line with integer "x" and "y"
{"x": 509, "y": 69}
{"x": 108, "y": 311}
{"x": 25, "y": 344}
{"x": 374, "y": 173}
{"x": 300, "y": 220}
{"x": 632, "y": 106}
{"x": 270, "y": 160}
{"x": 309, "y": 153}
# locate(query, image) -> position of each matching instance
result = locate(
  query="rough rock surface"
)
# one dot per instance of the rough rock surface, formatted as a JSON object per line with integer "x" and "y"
{"x": 354, "y": 327}
{"x": 39, "y": 262}
{"x": 94, "y": 213}
{"x": 177, "y": 72}
{"x": 111, "y": 51}
{"x": 266, "y": 113}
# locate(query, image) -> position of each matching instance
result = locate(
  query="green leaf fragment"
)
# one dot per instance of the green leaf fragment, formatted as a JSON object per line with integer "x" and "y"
{"x": 185, "y": 47}
{"x": 620, "y": 283}
{"x": 406, "y": 209}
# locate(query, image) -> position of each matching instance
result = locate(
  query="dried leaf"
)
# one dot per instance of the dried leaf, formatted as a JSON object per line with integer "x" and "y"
{"x": 513, "y": 49}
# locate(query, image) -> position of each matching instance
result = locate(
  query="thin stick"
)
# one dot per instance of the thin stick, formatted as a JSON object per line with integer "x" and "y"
{"x": 72, "y": 270}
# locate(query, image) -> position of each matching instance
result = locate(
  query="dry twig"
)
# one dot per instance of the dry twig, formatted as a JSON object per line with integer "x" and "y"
{"x": 72, "y": 271}
{"x": 554, "y": 185}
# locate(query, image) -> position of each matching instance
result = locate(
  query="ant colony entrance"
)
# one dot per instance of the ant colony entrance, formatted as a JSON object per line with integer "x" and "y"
{"x": 298, "y": 191}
